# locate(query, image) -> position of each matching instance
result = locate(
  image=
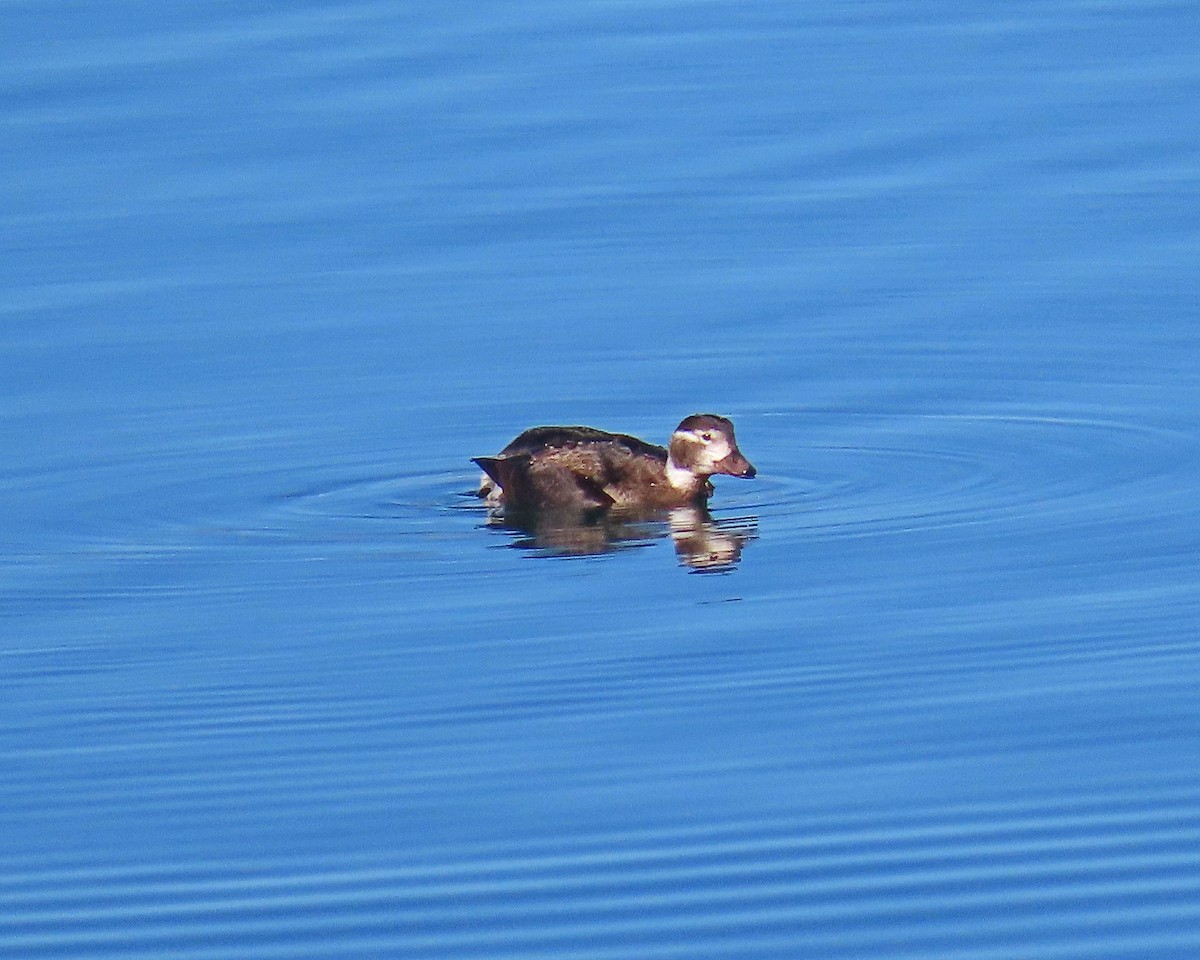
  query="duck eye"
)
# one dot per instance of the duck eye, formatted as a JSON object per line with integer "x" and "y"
{"x": 706, "y": 437}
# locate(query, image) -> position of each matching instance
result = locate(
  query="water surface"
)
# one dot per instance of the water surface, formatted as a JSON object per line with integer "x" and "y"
{"x": 273, "y": 687}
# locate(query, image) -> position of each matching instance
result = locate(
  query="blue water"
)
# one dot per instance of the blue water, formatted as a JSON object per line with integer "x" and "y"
{"x": 272, "y": 686}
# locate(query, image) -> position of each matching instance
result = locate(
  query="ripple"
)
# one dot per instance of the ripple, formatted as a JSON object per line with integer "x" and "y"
{"x": 386, "y": 506}
{"x": 930, "y": 472}
{"x": 1087, "y": 874}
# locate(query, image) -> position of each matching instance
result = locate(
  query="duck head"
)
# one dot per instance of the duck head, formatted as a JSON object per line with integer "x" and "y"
{"x": 703, "y": 444}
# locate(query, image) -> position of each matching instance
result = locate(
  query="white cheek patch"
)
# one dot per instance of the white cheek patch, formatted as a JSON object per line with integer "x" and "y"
{"x": 717, "y": 450}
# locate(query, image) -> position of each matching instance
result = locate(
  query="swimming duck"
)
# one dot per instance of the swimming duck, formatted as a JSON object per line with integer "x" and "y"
{"x": 581, "y": 468}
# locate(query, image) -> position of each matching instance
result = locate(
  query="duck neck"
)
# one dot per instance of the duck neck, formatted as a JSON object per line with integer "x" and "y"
{"x": 681, "y": 478}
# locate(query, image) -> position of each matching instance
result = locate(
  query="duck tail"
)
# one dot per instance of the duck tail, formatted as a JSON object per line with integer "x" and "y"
{"x": 490, "y": 466}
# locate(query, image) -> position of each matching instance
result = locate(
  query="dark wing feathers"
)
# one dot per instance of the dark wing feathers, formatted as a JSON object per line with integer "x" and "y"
{"x": 572, "y": 467}
{"x": 543, "y": 483}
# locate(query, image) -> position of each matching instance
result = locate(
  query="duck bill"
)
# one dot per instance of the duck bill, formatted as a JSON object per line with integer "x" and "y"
{"x": 735, "y": 465}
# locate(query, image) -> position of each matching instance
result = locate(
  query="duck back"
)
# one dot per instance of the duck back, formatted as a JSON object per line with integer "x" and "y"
{"x": 617, "y": 445}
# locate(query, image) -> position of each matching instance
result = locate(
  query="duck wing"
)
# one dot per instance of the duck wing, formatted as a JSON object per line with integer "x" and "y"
{"x": 535, "y": 483}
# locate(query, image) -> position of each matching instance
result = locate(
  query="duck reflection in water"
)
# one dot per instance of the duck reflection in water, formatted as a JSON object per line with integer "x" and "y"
{"x": 700, "y": 541}
{"x": 578, "y": 490}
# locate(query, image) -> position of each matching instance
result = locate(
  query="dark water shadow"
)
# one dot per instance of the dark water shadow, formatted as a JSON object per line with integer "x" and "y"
{"x": 702, "y": 543}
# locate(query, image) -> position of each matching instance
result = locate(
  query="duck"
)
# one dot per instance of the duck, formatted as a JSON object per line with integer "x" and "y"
{"x": 585, "y": 469}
